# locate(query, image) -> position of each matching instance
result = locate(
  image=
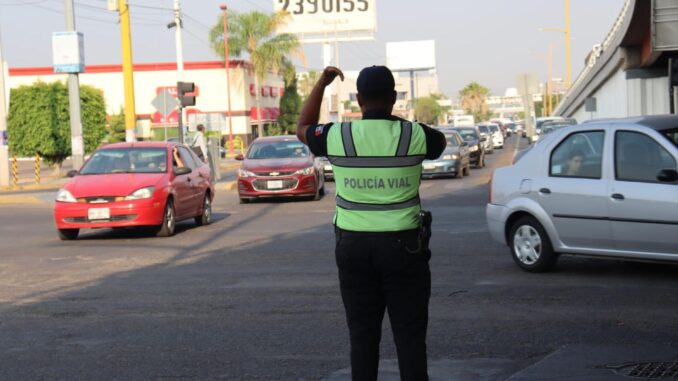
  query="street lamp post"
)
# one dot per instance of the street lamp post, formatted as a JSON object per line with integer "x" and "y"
{"x": 568, "y": 40}
{"x": 228, "y": 79}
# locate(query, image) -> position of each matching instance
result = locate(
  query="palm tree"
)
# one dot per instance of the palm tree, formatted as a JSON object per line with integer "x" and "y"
{"x": 473, "y": 100}
{"x": 254, "y": 33}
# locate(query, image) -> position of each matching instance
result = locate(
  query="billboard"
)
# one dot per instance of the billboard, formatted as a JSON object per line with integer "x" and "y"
{"x": 411, "y": 55}
{"x": 328, "y": 17}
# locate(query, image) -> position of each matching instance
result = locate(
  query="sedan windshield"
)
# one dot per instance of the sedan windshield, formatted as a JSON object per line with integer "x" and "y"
{"x": 468, "y": 134}
{"x": 126, "y": 160}
{"x": 451, "y": 141}
{"x": 278, "y": 150}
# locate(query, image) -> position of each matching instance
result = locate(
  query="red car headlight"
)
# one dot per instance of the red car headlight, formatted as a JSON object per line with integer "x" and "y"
{"x": 305, "y": 171}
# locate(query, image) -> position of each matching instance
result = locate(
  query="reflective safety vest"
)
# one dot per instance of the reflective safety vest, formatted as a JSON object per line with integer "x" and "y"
{"x": 377, "y": 172}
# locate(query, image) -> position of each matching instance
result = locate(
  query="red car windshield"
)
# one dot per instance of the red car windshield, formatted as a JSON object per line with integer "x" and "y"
{"x": 278, "y": 150}
{"x": 126, "y": 160}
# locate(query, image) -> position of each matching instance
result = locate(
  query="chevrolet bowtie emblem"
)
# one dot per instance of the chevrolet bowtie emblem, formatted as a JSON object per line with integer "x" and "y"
{"x": 274, "y": 173}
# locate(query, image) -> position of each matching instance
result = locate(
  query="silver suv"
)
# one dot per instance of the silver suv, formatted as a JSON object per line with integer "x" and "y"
{"x": 607, "y": 188}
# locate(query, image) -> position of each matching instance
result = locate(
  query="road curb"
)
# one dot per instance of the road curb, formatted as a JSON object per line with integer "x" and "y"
{"x": 230, "y": 166}
{"x": 30, "y": 187}
{"x": 19, "y": 199}
{"x": 229, "y": 185}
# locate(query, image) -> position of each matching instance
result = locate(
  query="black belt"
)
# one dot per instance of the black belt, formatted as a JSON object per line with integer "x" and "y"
{"x": 400, "y": 233}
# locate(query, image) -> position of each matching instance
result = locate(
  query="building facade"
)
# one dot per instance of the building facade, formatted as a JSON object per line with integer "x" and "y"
{"x": 152, "y": 79}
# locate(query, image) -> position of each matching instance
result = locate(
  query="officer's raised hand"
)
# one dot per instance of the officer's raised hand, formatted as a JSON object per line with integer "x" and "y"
{"x": 310, "y": 113}
{"x": 329, "y": 74}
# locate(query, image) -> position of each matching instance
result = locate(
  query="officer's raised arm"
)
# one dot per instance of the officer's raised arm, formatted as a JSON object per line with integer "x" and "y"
{"x": 310, "y": 113}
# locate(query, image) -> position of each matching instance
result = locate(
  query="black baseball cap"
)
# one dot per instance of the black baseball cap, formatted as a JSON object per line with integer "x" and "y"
{"x": 375, "y": 80}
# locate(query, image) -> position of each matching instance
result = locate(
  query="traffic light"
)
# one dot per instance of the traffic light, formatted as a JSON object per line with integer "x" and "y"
{"x": 184, "y": 88}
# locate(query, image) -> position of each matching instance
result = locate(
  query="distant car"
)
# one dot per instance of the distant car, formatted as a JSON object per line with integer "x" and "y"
{"x": 279, "y": 166}
{"x": 327, "y": 168}
{"x": 454, "y": 161}
{"x": 135, "y": 184}
{"x": 548, "y": 127}
{"x": 497, "y": 136}
{"x": 487, "y": 134}
{"x": 607, "y": 188}
{"x": 510, "y": 129}
{"x": 476, "y": 144}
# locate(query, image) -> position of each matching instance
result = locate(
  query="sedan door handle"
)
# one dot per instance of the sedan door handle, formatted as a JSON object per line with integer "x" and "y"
{"x": 618, "y": 196}
{"x": 545, "y": 191}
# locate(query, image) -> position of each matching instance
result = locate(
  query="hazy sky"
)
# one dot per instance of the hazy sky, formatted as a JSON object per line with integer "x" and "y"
{"x": 488, "y": 41}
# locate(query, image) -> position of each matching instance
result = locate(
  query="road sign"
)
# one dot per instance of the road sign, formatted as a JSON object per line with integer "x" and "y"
{"x": 165, "y": 103}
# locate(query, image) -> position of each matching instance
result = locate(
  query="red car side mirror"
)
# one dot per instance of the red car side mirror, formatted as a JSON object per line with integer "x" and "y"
{"x": 240, "y": 157}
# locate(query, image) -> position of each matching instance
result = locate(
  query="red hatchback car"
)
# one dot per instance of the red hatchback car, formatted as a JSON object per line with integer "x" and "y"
{"x": 135, "y": 184}
{"x": 279, "y": 166}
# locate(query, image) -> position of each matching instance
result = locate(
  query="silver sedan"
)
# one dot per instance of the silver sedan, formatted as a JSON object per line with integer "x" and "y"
{"x": 607, "y": 188}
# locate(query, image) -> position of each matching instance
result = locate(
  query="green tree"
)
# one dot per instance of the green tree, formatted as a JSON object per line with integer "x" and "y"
{"x": 473, "y": 100}
{"x": 306, "y": 83}
{"x": 427, "y": 110}
{"x": 290, "y": 107}
{"x": 116, "y": 128}
{"x": 254, "y": 33}
{"x": 39, "y": 121}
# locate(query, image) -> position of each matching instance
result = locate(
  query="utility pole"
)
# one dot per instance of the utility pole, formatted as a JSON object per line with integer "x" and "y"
{"x": 4, "y": 147}
{"x": 550, "y": 84}
{"x": 127, "y": 71}
{"x": 179, "y": 45}
{"x": 224, "y": 8}
{"x": 77, "y": 144}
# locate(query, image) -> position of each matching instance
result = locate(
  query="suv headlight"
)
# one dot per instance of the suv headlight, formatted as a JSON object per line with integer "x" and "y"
{"x": 141, "y": 194}
{"x": 65, "y": 196}
{"x": 305, "y": 171}
{"x": 474, "y": 148}
{"x": 245, "y": 173}
{"x": 450, "y": 157}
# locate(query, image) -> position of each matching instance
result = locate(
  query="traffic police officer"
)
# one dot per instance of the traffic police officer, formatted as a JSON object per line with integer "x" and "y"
{"x": 381, "y": 256}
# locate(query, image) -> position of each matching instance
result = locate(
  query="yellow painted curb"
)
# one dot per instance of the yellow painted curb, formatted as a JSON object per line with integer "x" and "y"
{"x": 19, "y": 199}
{"x": 231, "y": 185}
{"x": 229, "y": 166}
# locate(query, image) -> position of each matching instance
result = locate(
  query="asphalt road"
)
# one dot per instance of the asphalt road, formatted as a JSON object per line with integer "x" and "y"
{"x": 254, "y": 296}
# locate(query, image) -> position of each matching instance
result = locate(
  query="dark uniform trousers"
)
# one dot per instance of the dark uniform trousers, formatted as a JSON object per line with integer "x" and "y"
{"x": 378, "y": 273}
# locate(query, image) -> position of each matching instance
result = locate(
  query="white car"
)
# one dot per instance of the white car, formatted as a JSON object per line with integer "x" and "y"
{"x": 607, "y": 188}
{"x": 497, "y": 136}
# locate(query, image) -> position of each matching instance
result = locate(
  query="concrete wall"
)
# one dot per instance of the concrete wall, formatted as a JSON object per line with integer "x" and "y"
{"x": 611, "y": 100}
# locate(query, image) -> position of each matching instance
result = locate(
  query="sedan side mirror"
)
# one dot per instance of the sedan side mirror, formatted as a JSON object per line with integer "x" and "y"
{"x": 483, "y": 139}
{"x": 72, "y": 173}
{"x": 667, "y": 176}
{"x": 240, "y": 157}
{"x": 464, "y": 144}
{"x": 182, "y": 171}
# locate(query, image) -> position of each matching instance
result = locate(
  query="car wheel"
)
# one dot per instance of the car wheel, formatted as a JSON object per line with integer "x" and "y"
{"x": 68, "y": 234}
{"x": 169, "y": 221}
{"x": 530, "y": 246}
{"x": 206, "y": 217}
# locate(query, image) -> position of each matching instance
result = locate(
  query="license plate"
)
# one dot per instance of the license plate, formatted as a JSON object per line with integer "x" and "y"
{"x": 275, "y": 184}
{"x": 99, "y": 214}
{"x": 429, "y": 166}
